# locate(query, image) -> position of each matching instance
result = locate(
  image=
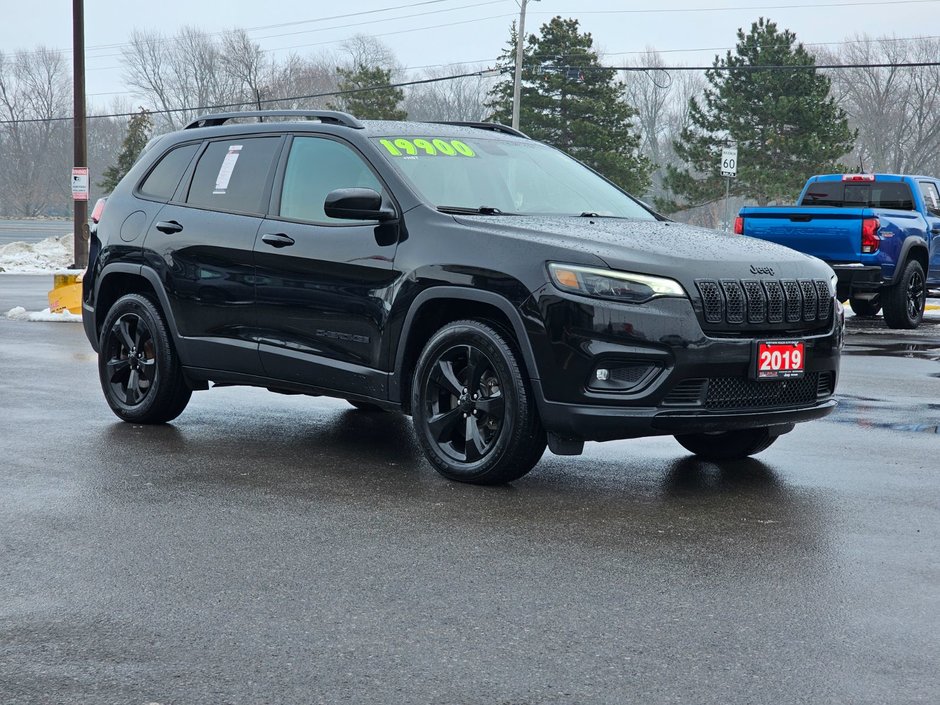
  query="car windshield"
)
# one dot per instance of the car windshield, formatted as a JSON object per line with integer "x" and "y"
{"x": 500, "y": 176}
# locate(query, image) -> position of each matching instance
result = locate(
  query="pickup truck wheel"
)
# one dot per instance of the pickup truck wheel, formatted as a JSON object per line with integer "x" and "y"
{"x": 904, "y": 302}
{"x": 138, "y": 366}
{"x": 865, "y": 308}
{"x": 727, "y": 445}
{"x": 473, "y": 408}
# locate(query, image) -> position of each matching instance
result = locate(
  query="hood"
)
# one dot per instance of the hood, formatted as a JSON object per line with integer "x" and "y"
{"x": 679, "y": 251}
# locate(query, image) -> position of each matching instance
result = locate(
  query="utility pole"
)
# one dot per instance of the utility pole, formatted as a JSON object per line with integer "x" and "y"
{"x": 80, "y": 245}
{"x": 517, "y": 79}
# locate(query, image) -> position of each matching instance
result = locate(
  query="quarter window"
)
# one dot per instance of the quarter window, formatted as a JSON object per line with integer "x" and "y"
{"x": 928, "y": 190}
{"x": 315, "y": 167}
{"x": 232, "y": 175}
{"x": 162, "y": 181}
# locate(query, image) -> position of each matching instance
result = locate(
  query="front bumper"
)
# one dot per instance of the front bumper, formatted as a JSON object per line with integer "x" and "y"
{"x": 604, "y": 423}
{"x": 699, "y": 382}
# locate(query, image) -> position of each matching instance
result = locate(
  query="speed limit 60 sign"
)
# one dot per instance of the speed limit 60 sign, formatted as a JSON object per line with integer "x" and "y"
{"x": 729, "y": 161}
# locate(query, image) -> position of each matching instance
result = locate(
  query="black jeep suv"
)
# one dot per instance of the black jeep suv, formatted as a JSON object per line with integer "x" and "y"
{"x": 503, "y": 294}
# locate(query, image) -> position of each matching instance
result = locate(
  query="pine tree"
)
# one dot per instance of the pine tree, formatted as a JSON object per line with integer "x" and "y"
{"x": 784, "y": 122}
{"x": 139, "y": 128}
{"x": 571, "y": 102}
{"x": 378, "y": 104}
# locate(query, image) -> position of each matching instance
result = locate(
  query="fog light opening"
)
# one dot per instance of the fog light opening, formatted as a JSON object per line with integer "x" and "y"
{"x": 625, "y": 376}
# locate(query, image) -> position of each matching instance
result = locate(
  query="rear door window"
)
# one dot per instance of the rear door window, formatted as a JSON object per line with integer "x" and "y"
{"x": 233, "y": 175}
{"x": 163, "y": 179}
{"x": 859, "y": 194}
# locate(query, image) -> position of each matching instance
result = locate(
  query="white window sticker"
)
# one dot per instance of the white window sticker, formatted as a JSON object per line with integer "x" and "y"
{"x": 225, "y": 171}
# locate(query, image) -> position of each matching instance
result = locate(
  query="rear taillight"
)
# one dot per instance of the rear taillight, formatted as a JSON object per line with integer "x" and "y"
{"x": 871, "y": 241}
{"x": 98, "y": 210}
{"x": 858, "y": 177}
{"x": 739, "y": 226}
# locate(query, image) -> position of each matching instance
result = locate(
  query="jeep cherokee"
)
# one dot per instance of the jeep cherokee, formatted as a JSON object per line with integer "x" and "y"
{"x": 502, "y": 293}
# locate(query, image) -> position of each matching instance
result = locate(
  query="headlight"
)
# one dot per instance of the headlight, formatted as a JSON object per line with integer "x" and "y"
{"x": 833, "y": 284}
{"x": 611, "y": 284}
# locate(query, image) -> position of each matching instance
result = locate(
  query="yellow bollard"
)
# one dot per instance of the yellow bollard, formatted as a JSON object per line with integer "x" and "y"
{"x": 66, "y": 292}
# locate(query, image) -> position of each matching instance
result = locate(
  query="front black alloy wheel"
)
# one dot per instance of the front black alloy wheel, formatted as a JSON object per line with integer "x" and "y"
{"x": 137, "y": 364}
{"x": 473, "y": 409}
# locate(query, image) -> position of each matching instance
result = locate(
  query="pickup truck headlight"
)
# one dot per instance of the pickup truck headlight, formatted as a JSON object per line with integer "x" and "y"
{"x": 612, "y": 284}
{"x": 833, "y": 284}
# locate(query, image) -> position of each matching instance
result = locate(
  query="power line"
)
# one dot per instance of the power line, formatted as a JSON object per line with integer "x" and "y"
{"x": 493, "y": 72}
{"x": 347, "y": 26}
{"x": 856, "y": 3}
{"x": 760, "y": 67}
{"x": 261, "y": 28}
{"x": 812, "y": 6}
{"x": 242, "y": 104}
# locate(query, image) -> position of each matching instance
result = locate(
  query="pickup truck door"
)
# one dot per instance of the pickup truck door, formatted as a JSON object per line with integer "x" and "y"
{"x": 931, "y": 195}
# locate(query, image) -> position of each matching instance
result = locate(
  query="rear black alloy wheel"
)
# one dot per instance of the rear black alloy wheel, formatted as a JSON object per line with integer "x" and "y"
{"x": 865, "y": 308}
{"x": 473, "y": 409}
{"x": 139, "y": 370}
{"x": 905, "y": 301}
{"x": 728, "y": 445}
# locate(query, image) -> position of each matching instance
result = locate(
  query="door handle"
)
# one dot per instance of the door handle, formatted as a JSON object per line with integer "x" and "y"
{"x": 935, "y": 231}
{"x": 277, "y": 239}
{"x": 169, "y": 227}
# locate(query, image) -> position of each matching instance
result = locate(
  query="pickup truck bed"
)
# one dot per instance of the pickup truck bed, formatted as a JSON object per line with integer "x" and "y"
{"x": 879, "y": 233}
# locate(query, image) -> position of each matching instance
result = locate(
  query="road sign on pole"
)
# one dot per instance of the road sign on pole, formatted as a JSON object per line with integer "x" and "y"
{"x": 80, "y": 183}
{"x": 729, "y": 162}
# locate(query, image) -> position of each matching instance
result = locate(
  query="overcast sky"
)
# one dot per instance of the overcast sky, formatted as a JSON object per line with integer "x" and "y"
{"x": 437, "y": 32}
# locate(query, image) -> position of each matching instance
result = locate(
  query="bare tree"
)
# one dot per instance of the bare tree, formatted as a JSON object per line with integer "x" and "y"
{"x": 363, "y": 50}
{"x": 34, "y": 145}
{"x": 248, "y": 65}
{"x": 180, "y": 76}
{"x": 296, "y": 77}
{"x": 894, "y": 108}
{"x": 454, "y": 99}
{"x": 661, "y": 99}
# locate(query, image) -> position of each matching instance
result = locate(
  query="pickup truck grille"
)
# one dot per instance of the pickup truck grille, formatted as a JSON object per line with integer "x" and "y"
{"x": 751, "y": 302}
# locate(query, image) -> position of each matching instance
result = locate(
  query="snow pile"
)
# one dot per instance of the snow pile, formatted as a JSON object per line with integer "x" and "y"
{"x": 37, "y": 257}
{"x": 18, "y": 313}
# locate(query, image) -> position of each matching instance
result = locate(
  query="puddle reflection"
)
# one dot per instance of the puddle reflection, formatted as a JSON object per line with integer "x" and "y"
{"x": 877, "y": 414}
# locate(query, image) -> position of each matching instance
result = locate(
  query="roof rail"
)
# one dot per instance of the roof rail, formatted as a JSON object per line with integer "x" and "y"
{"x": 333, "y": 117}
{"x": 491, "y": 126}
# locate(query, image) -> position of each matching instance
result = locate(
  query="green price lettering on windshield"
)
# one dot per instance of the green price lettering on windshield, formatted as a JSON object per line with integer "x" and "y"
{"x": 421, "y": 146}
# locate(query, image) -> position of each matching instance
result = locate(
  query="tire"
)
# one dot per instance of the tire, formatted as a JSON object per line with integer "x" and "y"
{"x": 473, "y": 407}
{"x": 904, "y": 302}
{"x": 367, "y": 407}
{"x": 729, "y": 445}
{"x": 138, "y": 366}
{"x": 865, "y": 308}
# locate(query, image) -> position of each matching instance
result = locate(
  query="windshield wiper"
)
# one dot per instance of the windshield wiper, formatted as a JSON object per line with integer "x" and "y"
{"x": 462, "y": 210}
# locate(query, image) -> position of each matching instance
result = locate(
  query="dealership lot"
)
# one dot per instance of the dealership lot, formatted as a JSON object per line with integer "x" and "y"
{"x": 290, "y": 549}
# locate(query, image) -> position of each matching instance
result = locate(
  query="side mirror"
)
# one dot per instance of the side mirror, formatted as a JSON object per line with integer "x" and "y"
{"x": 357, "y": 204}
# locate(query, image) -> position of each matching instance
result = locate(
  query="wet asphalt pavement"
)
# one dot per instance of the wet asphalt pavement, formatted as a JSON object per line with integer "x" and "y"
{"x": 270, "y": 549}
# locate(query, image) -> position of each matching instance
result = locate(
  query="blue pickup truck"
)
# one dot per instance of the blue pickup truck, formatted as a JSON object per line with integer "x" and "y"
{"x": 879, "y": 232}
